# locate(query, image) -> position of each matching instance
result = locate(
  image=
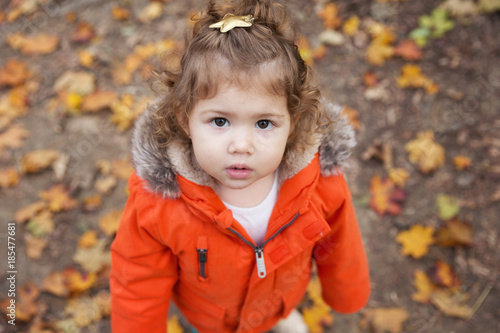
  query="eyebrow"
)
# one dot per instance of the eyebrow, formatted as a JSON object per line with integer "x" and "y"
{"x": 227, "y": 114}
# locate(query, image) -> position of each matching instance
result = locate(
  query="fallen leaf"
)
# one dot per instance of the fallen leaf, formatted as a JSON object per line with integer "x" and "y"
{"x": 412, "y": 77}
{"x": 385, "y": 196}
{"x": 95, "y": 258}
{"x": 399, "y": 176}
{"x": 425, "y": 152}
{"x": 331, "y": 37}
{"x": 460, "y": 8}
{"x": 14, "y": 73}
{"x": 370, "y": 79}
{"x": 151, "y": 12}
{"x": 9, "y": 177}
{"x": 92, "y": 203}
{"x": 79, "y": 282}
{"x": 58, "y": 198}
{"x": 99, "y": 100}
{"x": 173, "y": 325}
{"x": 351, "y": 26}
{"x": 84, "y": 33}
{"x": 451, "y": 303}
{"x": 126, "y": 111}
{"x": 105, "y": 185}
{"x": 120, "y": 14}
{"x": 448, "y": 206}
{"x": 408, "y": 50}
{"x": 122, "y": 168}
{"x": 72, "y": 102}
{"x": 86, "y": 58}
{"x": 41, "y": 224}
{"x": 28, "y": 212}
{"x": 489, "y": 6}
{"x": 34, "y": 246}
{"x": 88, "y": 239}
{"x": 57, "y": 284}
{"x": 443, "y": 275}
{"x": 329, "y": 15}
{"x": 384, "y": 320}
{"x": 26, "y": 307}
{"x": 462, "y": 162}
{"x": 81, "y": 83}
{"x": 455, "y": 233}
{"x": 109, "y": 223}
{"x": 416, "y": 241}
{"x": 424, "y": 286}
{"x": 38, "y": 160}
{"x": 13, "y": 137}
{"x": 32, "y": 45}
{"x": 352, "y": 115}
{"x": 318, "y": 315}
{"x": 84, "y": 311}
{"x": 307, "y": 53}
{"x": 380, "y": 49}
{"x": 380, "y": 151}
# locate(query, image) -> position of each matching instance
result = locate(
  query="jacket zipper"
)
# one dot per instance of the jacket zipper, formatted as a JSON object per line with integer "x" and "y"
{"x": 259, "y": 250}
{"x": 202, "y": 258}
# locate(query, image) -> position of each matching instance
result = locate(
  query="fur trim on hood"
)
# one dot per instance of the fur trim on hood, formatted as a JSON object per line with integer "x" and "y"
{"x": 159, "y": 167}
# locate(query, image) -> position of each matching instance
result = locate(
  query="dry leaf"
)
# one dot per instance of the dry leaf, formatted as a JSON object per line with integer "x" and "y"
{"x": 38, "y": 160}
{"x": 399, "y": 176}
{"x": 318, "y": 315}
{"x": 81, "y": 83}
{"x": 122, "y": 168}
{"x": 13, "y": 137}
{"x": 34, "y": 246}
{"x": 99, "y": 100}
{"x": 92, "y": 203}
{"x": 443, "y": 275}
{"x": 14, "y": 73}
{"x": 370, "y": 79}
{"x": 32, "y": 45}
{"x": 416, "y": 241}
{"x": 84, "y": 33}
{"x": 424, "y": 286}
{"x": 352, "y": 115}
{"x": 384, "y": 320}
{"x": 25, "y": 305}
{"x": 126, "y": 111}
{"x": 84, "y": 311}
{"x": 412, "y": 77}
{"x": 351, "y": 26}
{"x": 462, "y": 162}
{"x": 79, "y": 282}
{"x": 307, "y": 53}
{"x": 408, "y": 50}
{"x": 95, "y": 258}
{"x": 331, "y": 37}
{"x": 173, "y": 325}
{"x": 56, "y": 283}
{"x": 455, "y": 233}
{"x": 380, "y": 49}
{"x": 385, "y": 196}
{"x": 151, "y": 12}
{"x": 460, "y": 8}
{"x": 329, "y": 15}
{"x": 105, "y": 185}
{"x": 41, "y": 224}
{"x": 88, "y": 239}
{"x": 9, "y": 177}
{"x": 58, "y": 198}
{"x": 120, "y": 13}
{"x": 28, "y": 212}
{"x": 86, "y": 58}
{"x": 109, "y": 223}
{"x": 451, "y": 303}
{"x": 425, "y": 152}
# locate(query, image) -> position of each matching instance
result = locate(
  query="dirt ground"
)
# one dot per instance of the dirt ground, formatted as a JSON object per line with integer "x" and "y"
{"x": 464, "y": 116}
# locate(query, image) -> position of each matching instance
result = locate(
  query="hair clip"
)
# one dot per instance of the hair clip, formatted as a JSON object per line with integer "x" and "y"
{"x": 230, "y": 21}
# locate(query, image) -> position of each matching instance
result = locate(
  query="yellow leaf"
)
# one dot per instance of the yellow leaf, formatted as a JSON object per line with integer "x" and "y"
{"x": 412, "y": 77}
{"x": 84, "y": 311}
{"x": 451, "y": 303}
{"x": 122, "y": 168}
{"x": 384, "y": 320}
{"x": 424, "y": 286}
{"x": 399, "y": 176}
{"x": 88, "y": 239}
{"x": 58, "y": 198}
{"x": 425, "y": 152}
{"x": 105, "y": 185}
{"x": 99, "y": 100}
{"x": 443, "y": 275}
{"x": 28, "y": 212}
{"x": 318, "y": 315}
{"x": 39, "y": 160}
{"x": 120, "y": 13}
{"x": 79, "y": 282}
{"x": 109, "y": 223}
{"x": 9, "y": 177}
{"x": 95, "y": 258}
{"x": 173, "y": 325}
{"x": 151, "y": 12}
{"x": 376, "y": 54}
{"x": 14, "y": 73}
{"x": 415, "y": 241}
{"x": 329, "y": 15}
{"x": 82, "y": 83}
{"x": 92, "y": 203}
{"x": 462, "y": 162}
{"x": 32, "y": 45}
{"x": 352, "y": 115}
{"x": 126, "y": 110}
{"x": 73, "y": 102}
{"x": 385, "y": 196}
{"x": 351, "y": 26}
{"x": 86, "y": 58}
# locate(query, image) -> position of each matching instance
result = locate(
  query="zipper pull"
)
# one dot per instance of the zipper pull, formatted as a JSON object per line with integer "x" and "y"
{"x": 261, "y": 265}
{"x": 202, "y": 258}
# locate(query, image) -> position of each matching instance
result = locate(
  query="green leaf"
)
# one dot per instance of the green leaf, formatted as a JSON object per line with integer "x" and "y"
{"x": 448, "y": 206}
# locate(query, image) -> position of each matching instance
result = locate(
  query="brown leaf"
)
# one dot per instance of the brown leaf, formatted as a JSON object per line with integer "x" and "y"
{"x": 105, "y": 185}
{"x": 28, "y": 212}
{"x": 14, "y": 73}
{"x": 26, "y": 307}
{"x": 81, "y": 83}
{"x": 41, "y": 224}
{"x": 370, "y": 79}
{"x": 56, "y": 283}
{"x": 84, "y": 33}
{"x": 122, "y": 168}
{"x": 32, "y": 45}
{"x": 329, "y": 15}
{"x": 353, "y": 117}
{"x": 109, "y": 223}
{"x": 451, "y": 303}
{"x": 385, "y": 196}
{"x": 462, "y": 162}
{"x": 408, "y": 50}
{"x": 455, "y": 233}
{"x": 34, "y": 246}
{"x": 13, "y": 137}
{"x": 95, "y": 258}
{"x": 39, "y": 160}
{"x": 120, "y": 13}
{"x": 88, "y": 239}
{"x": 58, "y": 198}
{"x": 9, "y": 177}
{"x": 384, "y": 320}
{"x": 99, "y": 100}
{"x": 92, "y": 203}
{"x": 443, "y": 275}
{"x": 425, "y": 152}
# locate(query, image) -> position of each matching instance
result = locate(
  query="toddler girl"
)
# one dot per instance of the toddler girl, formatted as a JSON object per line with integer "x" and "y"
{"x": 237, "y": 186}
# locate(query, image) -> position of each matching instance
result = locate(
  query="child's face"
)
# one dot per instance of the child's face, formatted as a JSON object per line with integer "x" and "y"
{"x": 239, "y": 136}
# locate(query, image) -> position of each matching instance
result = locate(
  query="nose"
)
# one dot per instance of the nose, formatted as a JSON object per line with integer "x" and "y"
{"x": 242, "y": 142}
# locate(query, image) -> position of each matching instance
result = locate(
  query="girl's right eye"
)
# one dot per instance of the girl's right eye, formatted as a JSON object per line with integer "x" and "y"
{"x": 219, "y": 122}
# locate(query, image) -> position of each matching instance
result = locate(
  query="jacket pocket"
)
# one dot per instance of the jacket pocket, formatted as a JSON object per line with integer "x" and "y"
{"x": 202, "y": 252}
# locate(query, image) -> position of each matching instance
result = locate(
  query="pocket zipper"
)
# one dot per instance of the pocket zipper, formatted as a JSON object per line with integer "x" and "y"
{"x": 201, "y": 248}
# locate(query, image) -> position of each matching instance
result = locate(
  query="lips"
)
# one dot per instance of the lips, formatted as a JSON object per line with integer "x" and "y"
{"x": 239, "y": 171}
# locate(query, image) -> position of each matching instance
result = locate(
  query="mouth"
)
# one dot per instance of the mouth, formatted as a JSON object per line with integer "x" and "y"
{"x": 239, "y": 171}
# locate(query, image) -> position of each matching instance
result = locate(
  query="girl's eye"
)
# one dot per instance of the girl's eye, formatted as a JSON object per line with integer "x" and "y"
{"x": 219, "y": 122}
{"x": 264, "y": 124}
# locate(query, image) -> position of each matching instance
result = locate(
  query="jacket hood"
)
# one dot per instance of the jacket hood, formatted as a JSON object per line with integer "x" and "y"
{"x": 159, "y": 167}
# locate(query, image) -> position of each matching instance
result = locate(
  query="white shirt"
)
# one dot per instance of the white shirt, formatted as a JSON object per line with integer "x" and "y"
{"x": 255, "y": 219}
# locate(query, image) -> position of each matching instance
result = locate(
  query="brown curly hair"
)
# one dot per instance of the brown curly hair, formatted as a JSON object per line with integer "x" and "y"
{"x": 262, "y": 57}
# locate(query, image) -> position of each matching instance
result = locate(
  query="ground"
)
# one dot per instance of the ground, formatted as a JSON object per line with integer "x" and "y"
{"x": 463, "y": 116}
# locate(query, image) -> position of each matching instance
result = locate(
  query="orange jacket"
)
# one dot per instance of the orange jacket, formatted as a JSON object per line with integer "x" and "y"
{"x": 189, "y": 249}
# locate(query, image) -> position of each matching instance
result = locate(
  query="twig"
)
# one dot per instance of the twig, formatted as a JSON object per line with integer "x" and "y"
{"x": 480, "y": 300}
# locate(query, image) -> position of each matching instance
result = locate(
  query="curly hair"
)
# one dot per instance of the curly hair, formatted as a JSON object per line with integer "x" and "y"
{"x": 262, "y": 57}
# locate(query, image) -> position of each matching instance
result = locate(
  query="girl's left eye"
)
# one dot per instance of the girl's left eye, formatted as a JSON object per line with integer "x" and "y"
{"x": 264, "y": 124}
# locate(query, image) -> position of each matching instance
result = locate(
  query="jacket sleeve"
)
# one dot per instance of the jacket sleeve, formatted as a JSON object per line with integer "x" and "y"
{"x": 143, "y": 271}
{"x": 340, "y": 255}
